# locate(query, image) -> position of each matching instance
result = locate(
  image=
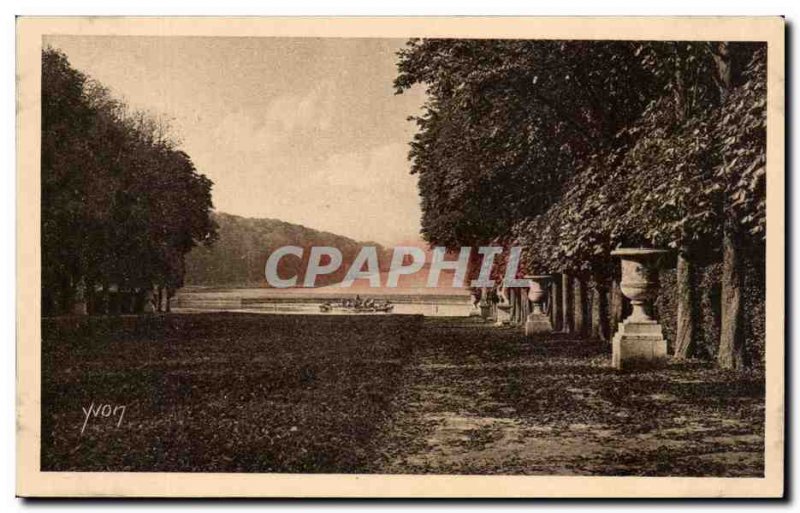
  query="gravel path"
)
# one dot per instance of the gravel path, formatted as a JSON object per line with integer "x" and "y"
{"x": 477, "y": 399}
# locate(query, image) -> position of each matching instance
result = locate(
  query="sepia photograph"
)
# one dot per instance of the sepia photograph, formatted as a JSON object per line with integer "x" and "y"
{"x": 415, "y": 251}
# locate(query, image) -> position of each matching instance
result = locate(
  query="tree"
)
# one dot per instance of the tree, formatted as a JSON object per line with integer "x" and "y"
{"x": 742, "y": 143}
{"x": 121, "y": 205}
{"x": 65, "y": 118}
{"x": 574, "y": 148}
{"x": 669, "y": 184}
{"x": 507, "y": 123}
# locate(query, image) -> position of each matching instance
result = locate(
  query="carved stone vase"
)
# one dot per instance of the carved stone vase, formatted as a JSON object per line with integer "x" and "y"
{"x": 639, "y": 341}
{"x": 474, "y": 303}
{"x": 538, "y": 321}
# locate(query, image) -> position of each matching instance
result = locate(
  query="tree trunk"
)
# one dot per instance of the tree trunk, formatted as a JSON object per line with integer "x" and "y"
{"x": 527, "y": 303}
{"x": 731, "y": 354}
{"x": 159, "y": 298}
{"x": 557, "y": 304}
{"x": 103, "y": 302}
{"x": 581, "y": 313}
{"x": 519, "y": 316}
{"x": 79, "y": 306}
{"x": 91, "y": 298}
{"x": 567, "y": 293}
{"x": 586, "y": 307}
{"x": 686, "y": 308}
{"x": 66, "y": 296}
{"x": 617, "y": 305}
{"x": 124, "y": 301}
{"x": 731, "y": 334}
{"x": 605, "y": 326}
{"x": 170, "y": 293}
{"x": 579, "y": 325}
{"x": 600, "y": 327}
{"x": 595, "y": 331}
{"x": 514, "y": 311}
{"x": 138, "y": 300}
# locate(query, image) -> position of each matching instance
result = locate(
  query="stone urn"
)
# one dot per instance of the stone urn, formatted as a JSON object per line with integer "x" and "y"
{"x": 639, "y": 340}
{"x": 503, "y": 307}
{"x": 538, "y": 321}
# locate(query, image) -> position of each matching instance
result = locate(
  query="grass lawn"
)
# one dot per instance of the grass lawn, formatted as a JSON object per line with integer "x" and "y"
{"x": 232, "y": 392}
{"x": 220, "y": 392}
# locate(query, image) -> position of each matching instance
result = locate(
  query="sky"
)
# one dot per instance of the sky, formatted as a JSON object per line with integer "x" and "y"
{"x": 306, "y": 130}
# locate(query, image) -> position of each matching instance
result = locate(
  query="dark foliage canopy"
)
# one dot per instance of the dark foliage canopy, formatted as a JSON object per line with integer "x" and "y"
{"x": 121, "y": 204}
{"x": 573, "y": 148}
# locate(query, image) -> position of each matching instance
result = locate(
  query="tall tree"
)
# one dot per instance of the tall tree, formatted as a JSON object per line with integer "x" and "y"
{"x": 121, "y": 205}
{"x": 574, "y": 148}
{"x": 507, "y": 122}
{"x": 741, "y": 132}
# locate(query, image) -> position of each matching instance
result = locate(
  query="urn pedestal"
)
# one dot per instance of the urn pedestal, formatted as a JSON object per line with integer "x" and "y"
{"x": 503, "y": 308}
{"x": 639, "y": 341}
{"x": 474, "y": 302}
{"x": 538, "y": 321}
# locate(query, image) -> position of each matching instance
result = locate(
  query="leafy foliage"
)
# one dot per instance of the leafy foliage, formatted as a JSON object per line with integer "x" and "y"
{"x": 507, "y": 124}
{"x": 643, "y": 147}
{"x": 741, "y": 130}
{"x": 121, "y": 204}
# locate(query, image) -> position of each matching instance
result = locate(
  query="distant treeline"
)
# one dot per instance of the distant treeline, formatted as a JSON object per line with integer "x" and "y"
{"x": 121, "y": 204}
{"x": 244, "y": 244}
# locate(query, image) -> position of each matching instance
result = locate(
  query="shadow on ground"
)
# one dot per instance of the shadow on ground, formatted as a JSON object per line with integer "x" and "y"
{"x": 233, "y": 392}
{"x": 478, "y": 399}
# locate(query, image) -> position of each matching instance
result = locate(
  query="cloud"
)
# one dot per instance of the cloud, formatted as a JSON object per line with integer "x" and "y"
{"x": 271, "y": 163}
{"x": 285, "y": 119}
{"x": 369, "y": 195}
{"x": 302, "y": 113}
{"x": 307, "y": 130}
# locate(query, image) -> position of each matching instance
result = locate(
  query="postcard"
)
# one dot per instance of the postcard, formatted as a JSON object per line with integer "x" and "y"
{"x": 450, "y": 257}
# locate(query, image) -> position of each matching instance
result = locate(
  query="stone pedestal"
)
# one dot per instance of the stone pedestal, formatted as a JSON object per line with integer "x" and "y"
{"x": 474, "y": 301}
{"x": 538, "y": 321}
{"x": 503, "y": 314}
{"x": 639, "y": 341}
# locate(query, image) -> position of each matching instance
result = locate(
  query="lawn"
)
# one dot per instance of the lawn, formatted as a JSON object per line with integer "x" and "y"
{"x": 219, "y": 392}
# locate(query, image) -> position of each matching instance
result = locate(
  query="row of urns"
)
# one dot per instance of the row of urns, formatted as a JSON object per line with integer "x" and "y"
{"x": 639, "y": 341}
